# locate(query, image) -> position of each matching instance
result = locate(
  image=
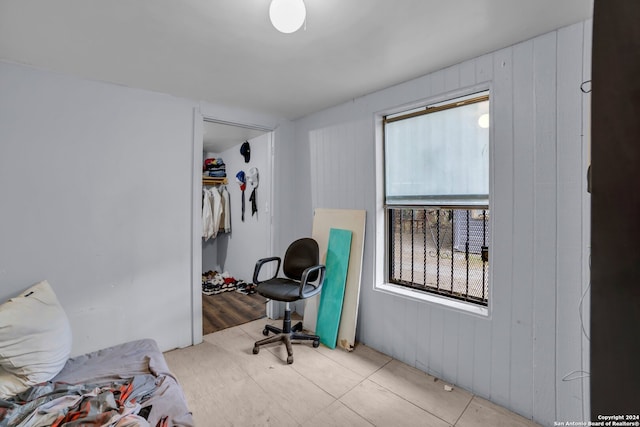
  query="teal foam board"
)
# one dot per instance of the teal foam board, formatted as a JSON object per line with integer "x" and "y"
{"x": 332, "y": 295}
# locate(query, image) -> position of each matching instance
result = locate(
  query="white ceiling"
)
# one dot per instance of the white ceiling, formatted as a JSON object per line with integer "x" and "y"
{"x": 226, "y": 51}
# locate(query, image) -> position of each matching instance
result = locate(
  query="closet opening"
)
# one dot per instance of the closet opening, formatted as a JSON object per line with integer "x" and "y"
{"x": 236, "y": 199}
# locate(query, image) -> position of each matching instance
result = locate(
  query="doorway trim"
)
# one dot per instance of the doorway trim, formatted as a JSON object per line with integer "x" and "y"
{"x": 196, "y": 214}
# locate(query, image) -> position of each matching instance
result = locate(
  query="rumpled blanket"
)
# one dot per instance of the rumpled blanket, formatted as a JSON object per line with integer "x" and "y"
{"x": 116, "y": 403}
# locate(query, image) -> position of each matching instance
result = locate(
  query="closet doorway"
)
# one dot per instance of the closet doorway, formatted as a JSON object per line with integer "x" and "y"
{"x": 228, "y": 259}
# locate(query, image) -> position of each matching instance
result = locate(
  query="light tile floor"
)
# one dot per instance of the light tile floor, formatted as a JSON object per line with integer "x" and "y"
{"x": 227, "y": 385}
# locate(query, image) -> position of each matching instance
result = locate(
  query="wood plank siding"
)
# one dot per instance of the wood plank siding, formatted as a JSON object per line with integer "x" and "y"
{"x": 518, "y": 355}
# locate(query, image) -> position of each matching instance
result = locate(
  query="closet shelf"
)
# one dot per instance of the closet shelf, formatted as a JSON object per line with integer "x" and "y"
{"x": 213, "y": 181}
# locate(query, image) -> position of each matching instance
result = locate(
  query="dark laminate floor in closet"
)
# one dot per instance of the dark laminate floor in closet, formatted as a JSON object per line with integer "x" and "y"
{"x": 229, "y": 309}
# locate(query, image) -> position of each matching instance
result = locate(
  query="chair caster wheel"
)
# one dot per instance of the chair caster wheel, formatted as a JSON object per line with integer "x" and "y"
{"x": 256, "y": 350}
{"x": 316, "y": 344}
{"x": 289, "y": 360}
{"x": 265, "y": 332}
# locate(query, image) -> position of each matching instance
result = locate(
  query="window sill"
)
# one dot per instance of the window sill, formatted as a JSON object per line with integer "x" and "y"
{"x": 404, "y": 292}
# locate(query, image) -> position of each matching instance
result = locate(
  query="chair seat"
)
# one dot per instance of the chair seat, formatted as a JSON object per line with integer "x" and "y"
{"x": 282, "y": 289}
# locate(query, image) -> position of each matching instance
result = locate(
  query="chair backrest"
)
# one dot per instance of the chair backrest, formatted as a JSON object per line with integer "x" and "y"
{"x": 300, "y": 255}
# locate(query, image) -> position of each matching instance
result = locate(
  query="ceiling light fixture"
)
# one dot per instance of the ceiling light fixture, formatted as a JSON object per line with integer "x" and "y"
{"x": 287, "y": 15}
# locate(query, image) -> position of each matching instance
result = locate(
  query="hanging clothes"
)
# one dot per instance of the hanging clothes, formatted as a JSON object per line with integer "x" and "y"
{"x": 252, "y": 180}
{"x": 212, "y": 211}
{"x": 240, "y": 179}
{"x": 207, "y": 215}
{"x": 216, "y": 207}
{"x": 226, "y": 210}
{"x": 254, "y": 202}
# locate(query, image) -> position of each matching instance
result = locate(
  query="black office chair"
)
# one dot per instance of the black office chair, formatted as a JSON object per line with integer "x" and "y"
{"x": 304, "y": 278}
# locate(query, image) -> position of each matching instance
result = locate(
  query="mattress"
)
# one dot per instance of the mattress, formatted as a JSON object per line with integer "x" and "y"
{"x": 135, "y": 371}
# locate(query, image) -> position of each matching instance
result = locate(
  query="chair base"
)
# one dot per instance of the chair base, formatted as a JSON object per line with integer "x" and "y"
{"x": 285, "y": 335}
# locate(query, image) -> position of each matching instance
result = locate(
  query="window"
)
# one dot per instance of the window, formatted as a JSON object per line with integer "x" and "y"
{"x": 436, "y": 198}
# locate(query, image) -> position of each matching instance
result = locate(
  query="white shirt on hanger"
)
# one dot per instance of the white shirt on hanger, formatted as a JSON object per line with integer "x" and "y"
{"x": 216, "y": 208}
{"x": 207, "y": 215}
{"x": 226, "y": 202}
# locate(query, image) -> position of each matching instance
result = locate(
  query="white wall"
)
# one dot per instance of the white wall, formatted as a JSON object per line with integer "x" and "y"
{"x": 98, "y": 196}
{"x": 210, "y": 255}
{"x": 292, "y": 200}
{"x": 532, "y": 338}
{"x": 95, "y": 182}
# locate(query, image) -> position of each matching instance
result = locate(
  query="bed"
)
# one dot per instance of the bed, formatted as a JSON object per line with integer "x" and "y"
{"x": 126, "y": 385}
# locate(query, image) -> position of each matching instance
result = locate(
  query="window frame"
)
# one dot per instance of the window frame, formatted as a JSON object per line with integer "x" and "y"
{"x": 382, "y": 256}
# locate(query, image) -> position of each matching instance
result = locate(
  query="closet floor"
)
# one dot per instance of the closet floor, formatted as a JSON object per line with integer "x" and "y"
{"x": 228, "y": 309}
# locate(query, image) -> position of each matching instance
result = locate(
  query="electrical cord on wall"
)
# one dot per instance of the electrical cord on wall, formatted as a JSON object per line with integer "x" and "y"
{"x": 568, "y": 377}
{"x": 584, "y": 331}
{"x": 576, "y": 375}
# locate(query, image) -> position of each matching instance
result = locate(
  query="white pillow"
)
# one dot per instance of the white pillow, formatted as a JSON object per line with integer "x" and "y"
{"x": 35, "y": 339}
{"x": 11, "y": 384}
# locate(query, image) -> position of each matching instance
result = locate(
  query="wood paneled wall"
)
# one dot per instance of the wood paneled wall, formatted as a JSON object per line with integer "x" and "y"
{"x": 532, "y": 338}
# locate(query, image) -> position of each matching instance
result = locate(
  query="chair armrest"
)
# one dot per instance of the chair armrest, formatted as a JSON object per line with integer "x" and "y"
{"x": 260, "y": 263}
{"x": 305, "y": 279}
